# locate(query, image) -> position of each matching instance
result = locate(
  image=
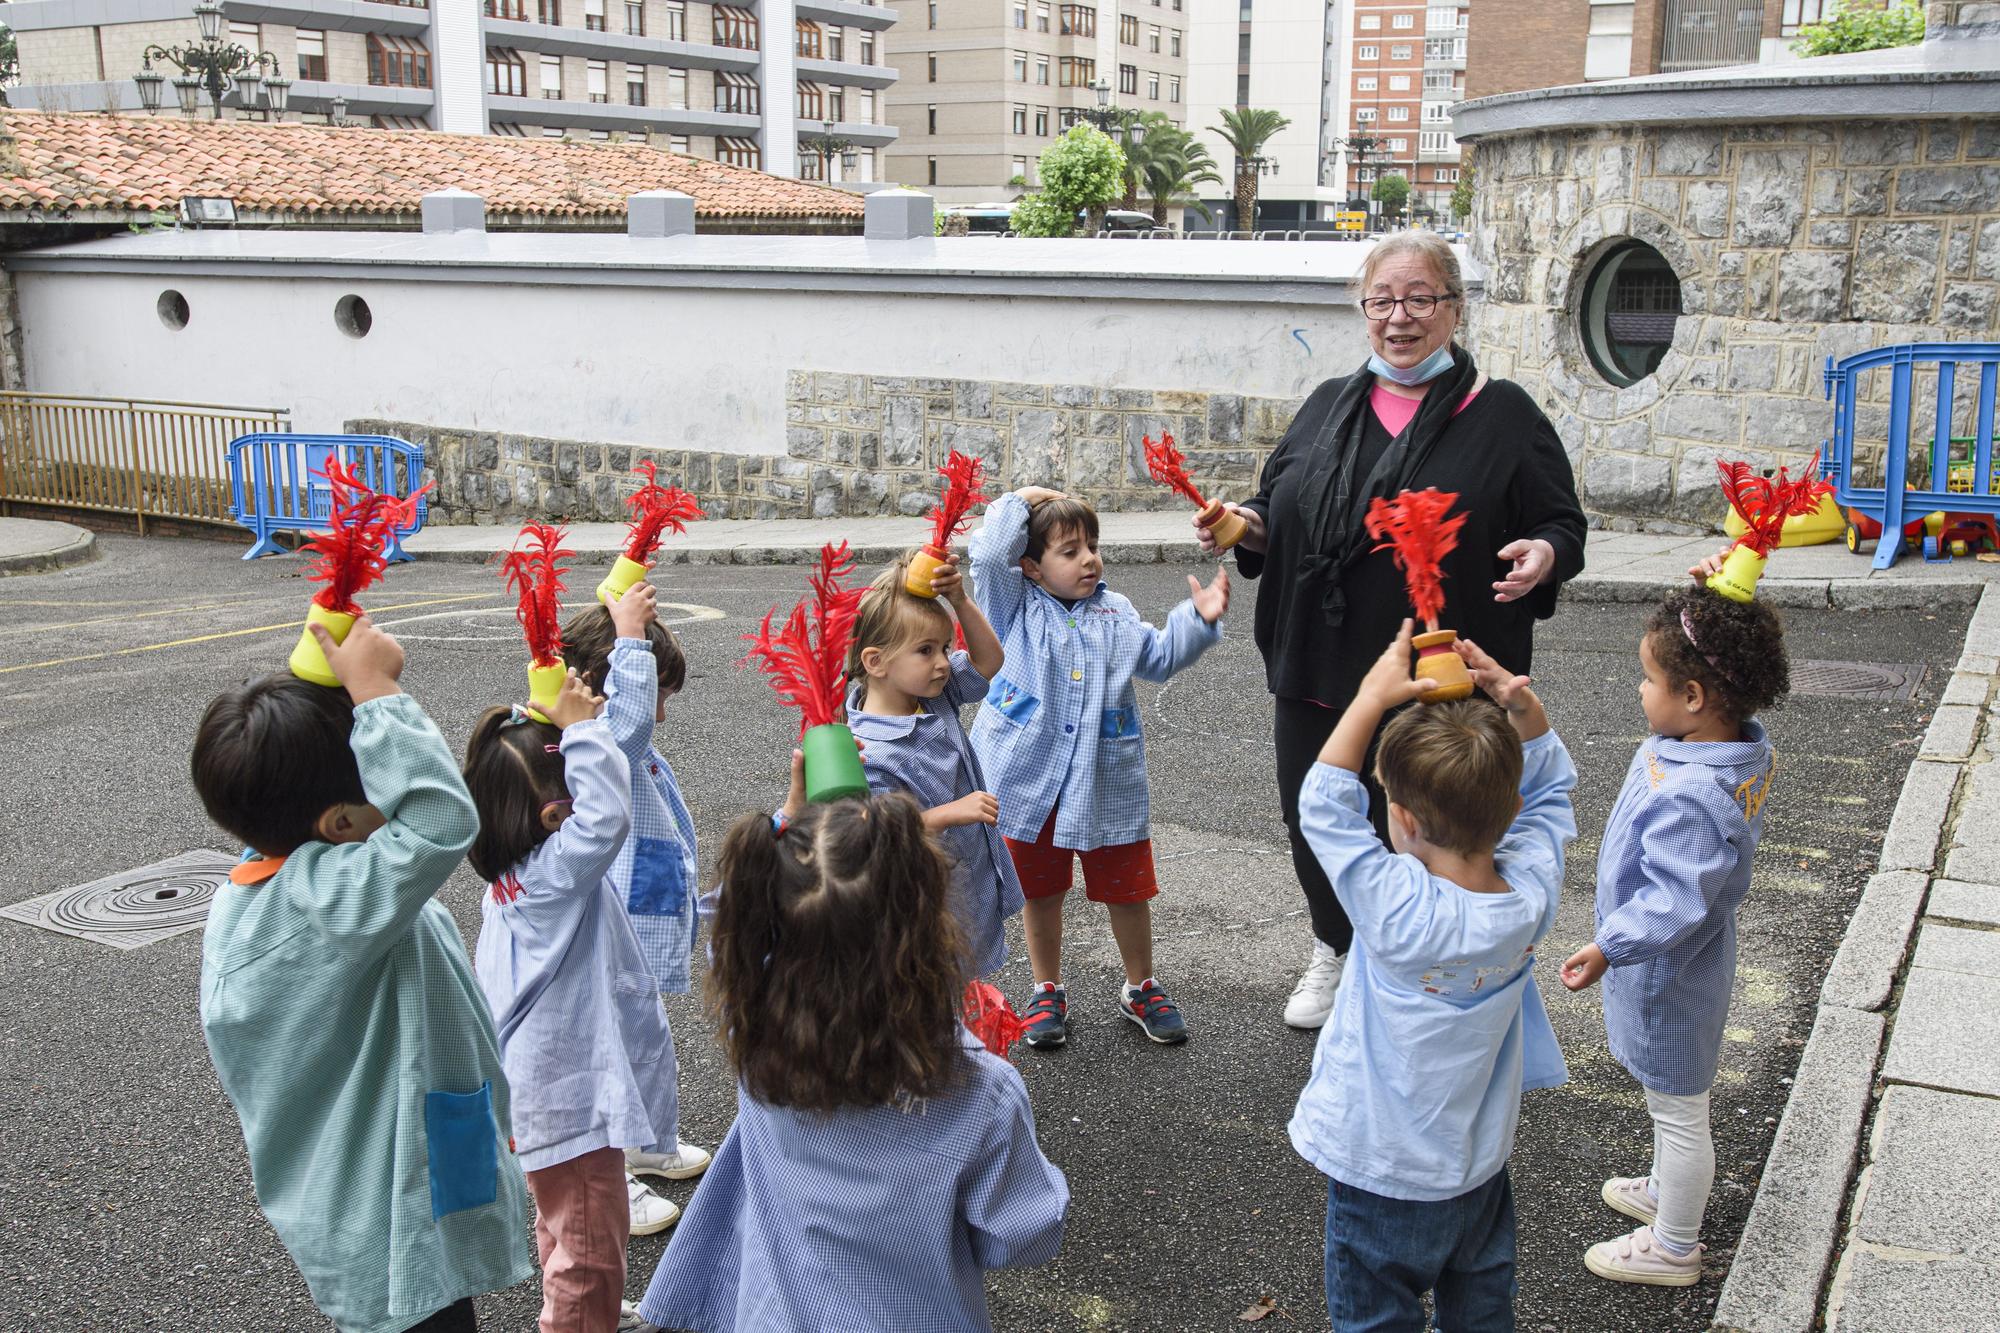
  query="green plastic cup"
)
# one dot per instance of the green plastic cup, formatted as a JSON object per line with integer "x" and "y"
{"x": 833, "y": 764}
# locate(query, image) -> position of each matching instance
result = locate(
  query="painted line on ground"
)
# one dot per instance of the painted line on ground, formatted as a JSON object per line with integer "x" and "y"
{"x": 131, "y": 615}
{"x": 511, "y": 632}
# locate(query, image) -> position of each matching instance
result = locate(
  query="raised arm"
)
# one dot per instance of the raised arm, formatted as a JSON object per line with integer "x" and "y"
{"x": 1178, "y": 646}
{"x": 998, "y": 585}
{"x": 580, "y": 853}
{"x": 632, "y": 697}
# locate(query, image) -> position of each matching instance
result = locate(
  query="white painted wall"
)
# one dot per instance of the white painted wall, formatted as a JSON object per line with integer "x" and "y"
{"x": 1289, "y": 68}
{"x": 458, "y": 68}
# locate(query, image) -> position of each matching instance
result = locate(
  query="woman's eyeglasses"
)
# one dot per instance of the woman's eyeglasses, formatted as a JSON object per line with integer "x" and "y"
{"x": 1378, "y": 308}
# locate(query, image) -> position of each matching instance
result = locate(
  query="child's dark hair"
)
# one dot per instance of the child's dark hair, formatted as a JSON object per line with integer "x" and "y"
{"x": 837, "y": 968}
{"x": 512, "y": 773}
{"x": 1053, "y": 518}
{"x": 273, "y": 755}
{"x": 891, "y": 616}
{"x": 588, "y": 638}
{"x": 1736, "y": 650}
{"x": 1456, "y": 767}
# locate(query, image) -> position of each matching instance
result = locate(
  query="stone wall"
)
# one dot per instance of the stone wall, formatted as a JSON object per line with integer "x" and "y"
{"x": 869, "y": 444}
{"x": 1793, "y": 242}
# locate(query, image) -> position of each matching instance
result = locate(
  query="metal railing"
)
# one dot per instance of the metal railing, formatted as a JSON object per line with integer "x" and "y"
{"x": 124, "y": 455}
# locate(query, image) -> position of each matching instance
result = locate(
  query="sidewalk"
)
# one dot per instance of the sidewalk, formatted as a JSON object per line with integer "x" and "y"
{"x": 33, "y": 545}
{"x": 1618, "y": 566}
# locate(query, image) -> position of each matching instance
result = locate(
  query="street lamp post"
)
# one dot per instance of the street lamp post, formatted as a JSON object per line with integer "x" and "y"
{"x": 1107, "y": 115}
{"x": 1363, "y": 149}
{"x": 826, "y": 146}
{"x": 215, "y": 65}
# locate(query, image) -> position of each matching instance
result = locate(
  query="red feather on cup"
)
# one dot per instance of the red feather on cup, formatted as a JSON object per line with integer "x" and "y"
{"x": 987, "y": 1015}
{"x": 655, "y": 508}
{"x": 805, "y": 658}
{"x": 359, "y": 527}
{"x": 1764, "y": 503}
{"x": 1168, "y": 466}
{"x": 536, "y": 577}
{"x": 1414, "y": 528}
{"x": 963, "y": 479}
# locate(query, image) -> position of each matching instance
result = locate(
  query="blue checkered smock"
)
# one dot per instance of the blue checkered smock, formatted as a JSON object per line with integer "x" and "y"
{"x": 656, "y": 870}
{"x": 1059, "y": 729}
{"x": 866, "y": 1219}
{"x": 1674, "y": 865}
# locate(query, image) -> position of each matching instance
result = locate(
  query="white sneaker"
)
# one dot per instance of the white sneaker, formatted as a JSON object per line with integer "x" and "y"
{"x": 684, "y": 1163}
{"x": 1638, "y": 1258}
{"x": 628, "y": 1317}
{"x": 1312, "y": 998}
{"x": 650, "y": 1213}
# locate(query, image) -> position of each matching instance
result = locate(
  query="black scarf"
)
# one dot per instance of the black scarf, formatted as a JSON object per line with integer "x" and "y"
{"x": 1329, "y": 495}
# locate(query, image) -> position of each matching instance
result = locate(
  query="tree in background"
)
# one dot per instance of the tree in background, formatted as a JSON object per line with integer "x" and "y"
{"x": 1139, "y": 136}
{"x": 1246, "y": 130}
{"x": 1083, "y": 171}
{"x": 1461, "y": 194}
{"x": 10, "y": 62}
{"x": 1392, "y": 192}
{"x": 1862, "y": 27}
{"x": 1174, "y": 166}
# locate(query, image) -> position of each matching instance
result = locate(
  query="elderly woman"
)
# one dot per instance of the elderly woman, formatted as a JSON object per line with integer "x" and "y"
{"x": 1419, "y": 414}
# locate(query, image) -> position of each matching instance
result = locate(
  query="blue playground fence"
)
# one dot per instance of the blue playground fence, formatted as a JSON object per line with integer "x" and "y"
{"x": 1962, "y": 485}
{"x": 277, "y": 484}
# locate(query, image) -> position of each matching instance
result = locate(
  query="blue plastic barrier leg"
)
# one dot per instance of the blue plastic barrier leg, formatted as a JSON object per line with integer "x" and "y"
{"x": 264, "y": 545}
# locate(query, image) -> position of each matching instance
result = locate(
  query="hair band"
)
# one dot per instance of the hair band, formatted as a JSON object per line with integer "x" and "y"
{"x": 517, "y": 714}
{"x": 1687, "y": 628}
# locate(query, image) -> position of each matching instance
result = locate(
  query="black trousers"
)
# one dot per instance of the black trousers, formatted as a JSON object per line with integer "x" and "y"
{"x": 1301, "y": 728}
{"x": 456, "y": 1318}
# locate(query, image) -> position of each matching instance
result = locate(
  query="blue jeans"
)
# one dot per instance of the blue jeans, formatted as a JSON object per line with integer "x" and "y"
{"x": 1383, "y": 1254}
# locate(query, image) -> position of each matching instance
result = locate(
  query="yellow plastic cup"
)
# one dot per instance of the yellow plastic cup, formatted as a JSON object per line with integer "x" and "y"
{"x": 544, "y": 684}
{"x": 1225, "y": 525}
{"x": 923, "y": 564}
{"x": 1436, "y": 661}
{"x": 308, "y": 662}
{"x": 1738, "y": 577}
{"x": 624, "y": 573}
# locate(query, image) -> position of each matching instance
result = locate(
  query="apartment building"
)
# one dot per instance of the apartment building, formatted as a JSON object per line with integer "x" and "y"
{"x": 1406, "y": 71}
{"x": 983, "y": 86}
{"x": 1547, "y": 43}
{"x": 699, "y": 77}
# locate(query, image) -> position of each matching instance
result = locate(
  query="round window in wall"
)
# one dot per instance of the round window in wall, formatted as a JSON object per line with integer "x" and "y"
{"x": 172, "y": 308}
{"x": 1630, "y": 303}
{"x": 353, "y": 317}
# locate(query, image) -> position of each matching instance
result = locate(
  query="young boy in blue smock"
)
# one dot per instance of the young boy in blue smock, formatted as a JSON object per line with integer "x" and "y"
{"x": 1437, "y": 1026}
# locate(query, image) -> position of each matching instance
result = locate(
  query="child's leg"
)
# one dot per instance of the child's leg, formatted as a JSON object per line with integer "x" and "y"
{"x": 455, "y": 1318}
{"x": 1382, "y": 1255}
{"x": 1683, "y": 1167}
{"x": 1042, "y": 923}
{"x": 1132, "y": 927}
{"x": 1475, "y": 1292}
{"x": 582, "y": 1216}
{"x": 1122, "y": 878}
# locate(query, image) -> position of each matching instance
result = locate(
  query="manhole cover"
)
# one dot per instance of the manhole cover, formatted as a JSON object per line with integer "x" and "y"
{"x": 135, "y": 908}
{"x": 1881, "y": 682}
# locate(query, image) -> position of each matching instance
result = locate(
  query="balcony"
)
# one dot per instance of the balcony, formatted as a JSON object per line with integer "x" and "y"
{"x": 576, "y": 114}
{"x": 859, "y": 134}
{"x": 546, "y": 40}
{"x": 846, "y": 13}
{"x": 846, "y": 72}
{"x": 404, "y": 18}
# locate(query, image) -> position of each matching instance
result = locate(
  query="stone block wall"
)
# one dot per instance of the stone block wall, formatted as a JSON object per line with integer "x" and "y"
{"x": 1793, "y": 242}
{"x": 859, "y": 445}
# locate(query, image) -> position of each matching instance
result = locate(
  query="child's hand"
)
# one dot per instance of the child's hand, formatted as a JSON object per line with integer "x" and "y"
{"x": 635, "y": 610}
{"x": 795, "y": 795}
{"x": 980, "y": 807}
{"x": 1584, "y": 967}
{"x": 1705, "y": 569}
{"x": 1034, "y": 495}
{"x": 1212, "y": 601}
{"x": 948, "y": 581}
{"x": 1502, "y": 686}
{"x": 368, "y": 662}
{"x": 1389, "y": 683}
{"x": 574, "y": 702}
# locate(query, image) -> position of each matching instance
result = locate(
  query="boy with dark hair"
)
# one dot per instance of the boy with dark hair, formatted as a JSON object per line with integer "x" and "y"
{"x": 1445, "y": 930}
{"x": 337, "y": 1002}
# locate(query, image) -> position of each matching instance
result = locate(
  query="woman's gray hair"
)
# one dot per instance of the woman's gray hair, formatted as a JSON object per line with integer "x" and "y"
{"x": 1428, "y": 246}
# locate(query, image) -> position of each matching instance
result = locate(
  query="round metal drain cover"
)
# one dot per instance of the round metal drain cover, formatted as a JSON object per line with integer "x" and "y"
{"x": 1880, "y": 681}
{"x": 134, "y": 908}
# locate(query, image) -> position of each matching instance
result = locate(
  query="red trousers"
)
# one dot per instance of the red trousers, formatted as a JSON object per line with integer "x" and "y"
{"x": 582, "y": 1219}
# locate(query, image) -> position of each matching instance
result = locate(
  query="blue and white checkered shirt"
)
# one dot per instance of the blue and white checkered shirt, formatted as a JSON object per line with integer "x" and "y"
{"x": 1673, "y": 867}
{"x": 867, "y": 1219}
{"x": 1059, "y": 729}
{"x": 656, "y": 870}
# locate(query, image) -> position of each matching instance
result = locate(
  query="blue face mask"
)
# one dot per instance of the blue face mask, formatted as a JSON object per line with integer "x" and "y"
{"x": 1426, "y": 370}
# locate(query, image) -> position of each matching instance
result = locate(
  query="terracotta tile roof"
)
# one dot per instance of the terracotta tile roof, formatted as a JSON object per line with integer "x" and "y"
{"x": 60, "y": 163}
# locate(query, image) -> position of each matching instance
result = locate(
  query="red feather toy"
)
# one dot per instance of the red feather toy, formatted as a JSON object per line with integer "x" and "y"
{"x": 1414, "y": 528}
{"x": 535, "y": 576}
{"x": 350, "y": 552}
{"x": 805, "y": 661}
{"x": 986, "y": 1013}
{"x": 655, "y": 508}
{"x": 963, "y": 479}
{"x": 1168, "y": 466}
{"x": 1764, "y": 503}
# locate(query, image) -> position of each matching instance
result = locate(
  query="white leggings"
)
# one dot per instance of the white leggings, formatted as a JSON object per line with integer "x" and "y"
{"x": 1683, "y": 1165}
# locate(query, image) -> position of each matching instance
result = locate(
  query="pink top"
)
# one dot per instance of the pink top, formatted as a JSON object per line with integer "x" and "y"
{"x": 1394, "y": 411}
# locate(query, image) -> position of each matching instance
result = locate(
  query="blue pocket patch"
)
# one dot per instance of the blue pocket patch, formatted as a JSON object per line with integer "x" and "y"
{"x": 1119, "y": 723}
{"x": 464, "y": 1149}
{"x": 1011, "y": 701}
{"x": 659, "y": 879}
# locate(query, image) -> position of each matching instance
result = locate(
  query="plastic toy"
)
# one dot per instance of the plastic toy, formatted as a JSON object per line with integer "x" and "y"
{"x": 987, "y": 1015}
{"x": 1414, "y": 528}
{"x": 963, "y": 478}
{"x": 1764, "y": 504}
{"x": 536, "y": 578}
{"x": 1169, "y": 468}
{"x": 655, "y": 508}
{"x": 352, "y": 558}
{"x": 804, "y": 661}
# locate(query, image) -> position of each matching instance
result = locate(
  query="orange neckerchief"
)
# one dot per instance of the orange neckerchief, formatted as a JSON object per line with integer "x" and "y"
{"x": 255, "y": 871}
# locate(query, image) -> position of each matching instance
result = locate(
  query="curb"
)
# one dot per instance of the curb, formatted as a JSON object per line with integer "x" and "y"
{"x": 82, "y": 548}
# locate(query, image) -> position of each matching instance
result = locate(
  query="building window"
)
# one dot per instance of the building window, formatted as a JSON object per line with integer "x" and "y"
{"x": 1174, "y": 42}
{"x": 1067, "y": 118}
{"x": 1367, "y": 53}
{"x": 600, "y": 136}
{"x": 1153, "y": 38}
{"x": 1444, "y": 48}
{"x": 1128, "y": 29}
{"x": 312, "y": 54}
{"x": 931, "y": 118}
{"x": 866, "y": 99}
{"x": 1020, "y": 120}
{"x": 1365, "y": 84}
{"x": 1173, "y": 88}
{"x": 1020, "y": 14}
{"x": 808, "y": 44}
{"x": 553, "y": 132}
{"x": 867, "y": 55}
{"x": 506, "y": 72}
{"x": 812, "y": 102}
{"x": 1364, "y": 174}
{"x": 1079, "y": 21}
{"x": 1399, "y": 146}
{"x": 593, "y": 15}
{"x": 1370, "y": 22}
{"x": 677, "y": 89}
{"x": 549, "y": 12}
{"x": 1631, "y": 301}
{"x": 1128, "y": 79}
{"x": 738, "y": 152}
{"x": 1152, "y": 85}
{"x": 1041, "y": 15}
{"x": 1444, "y": 80}
{"x": 1433, "y": 141}
{"x": 1400, "y": 51}
{"x": 1437, "y": 113}
{"x": 1020, "y": 171}
{"x": 1444, "y": 20}
{"x": 1399, "y": 83}
{"x": 676, "y": 12}
{"x": 552, "y": 78}
{"x": 1403, "y": 21}
{"x": 1364, "y": 114}
{"x": 735, "y": 27}
{"x": 933, "y": 13}
{"x": 1042, "y": 71}
{"x": 836, "y": 104}
{"x": 247, "y": 36}
{"x": 836, "y": 44}
{"x": 1078, "y": 72}
{"x": 1041, "y": 122}
{"x": 397, "y": 62}
{"x": 809, "y": 166}
{"x": 635, "y": 18}
{"x": 597, "y": 80}
{"x": 1020, "y": 67}
{"x": 635, "y": 85}
{"x": 736, "y": 94}
{"x": 677, "y": 143}
{"x": 931, "y": 65}
{"x": 930, "y": 169}
{"x": 1399, "y": 113}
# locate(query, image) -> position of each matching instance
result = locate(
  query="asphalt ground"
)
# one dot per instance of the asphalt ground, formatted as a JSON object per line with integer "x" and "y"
{"x": 125, "y": 1198}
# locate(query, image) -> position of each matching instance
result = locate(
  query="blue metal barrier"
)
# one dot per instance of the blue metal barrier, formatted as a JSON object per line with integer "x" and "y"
{"x": 1893, "y": 503}
{"x": 277, "y": 482}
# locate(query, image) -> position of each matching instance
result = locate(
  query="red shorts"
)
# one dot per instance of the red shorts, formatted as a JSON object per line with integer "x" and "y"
{"x": 1120, "y": 874}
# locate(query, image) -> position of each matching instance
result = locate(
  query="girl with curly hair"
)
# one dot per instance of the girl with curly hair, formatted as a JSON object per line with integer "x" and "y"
{"x": 1672, "y": 868}
{"x": 881, "y": 1159}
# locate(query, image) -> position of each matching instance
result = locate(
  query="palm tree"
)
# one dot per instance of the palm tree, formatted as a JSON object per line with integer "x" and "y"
{"x": 1140, "y": 136}
{"x": 1246, "y": 130}
{"x": 1173, "y": 169}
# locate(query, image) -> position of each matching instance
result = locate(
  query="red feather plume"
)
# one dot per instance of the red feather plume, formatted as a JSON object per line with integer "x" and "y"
{"x": 655, "y": 508}
{"x": 805, "y": 659}
{"x": 1169, "y": 468}
{"x": 536, "y": 578}
{"x": 963, "y": 479}
{"x": 1413, "y": 527}
{"x": 986, "y": 1013}
{"x": 358, "y": 531}
{"x": 1764, "y": 503}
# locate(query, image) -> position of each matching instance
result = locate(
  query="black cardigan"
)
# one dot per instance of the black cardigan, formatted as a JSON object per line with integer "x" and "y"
{"x": 1502, "y": 457}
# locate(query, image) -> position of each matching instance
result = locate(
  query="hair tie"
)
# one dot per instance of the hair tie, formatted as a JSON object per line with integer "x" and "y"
{"x": 1687, "y": 628}
{"x": 517, "y": 715}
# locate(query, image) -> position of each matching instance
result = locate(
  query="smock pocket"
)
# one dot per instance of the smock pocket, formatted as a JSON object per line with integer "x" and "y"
{"x": 659, "y": 878}
{"x": 1119, "y": 723}
{"x": 641, "y": 1021}
{"x": 464, "y": 1149}
{"x": 1011, "y": 701}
